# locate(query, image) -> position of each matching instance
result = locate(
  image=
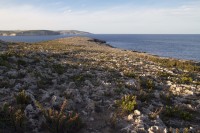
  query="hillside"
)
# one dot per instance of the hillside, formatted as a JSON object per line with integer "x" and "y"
{"x": 83, "y": 85}
{"x": 40, "y": 32}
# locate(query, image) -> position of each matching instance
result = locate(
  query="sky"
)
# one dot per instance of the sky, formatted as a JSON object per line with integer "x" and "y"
{"x": 103, "y": 16}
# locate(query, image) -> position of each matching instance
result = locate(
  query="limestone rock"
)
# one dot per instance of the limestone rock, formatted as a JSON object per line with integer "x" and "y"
{"x": 137, "y": 113}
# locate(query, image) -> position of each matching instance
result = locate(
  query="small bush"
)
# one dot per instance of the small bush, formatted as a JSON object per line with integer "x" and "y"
{"x": 4, "y": 83}
{"x": 12, "y": 119}
{"x": 78, "y": 78}
{"x": 4, "y": 60}
{"x": 21, "y": 63}
{"x": 22, "y": 98}
{"x": 127, "y": 103}
{"x": 129, "y": 74}
{"x": 172, "y": 63}
{"x": 171, "y": 111}
{"x": 113, "y": 120}
{"x": 148, "y": 84}
{"x": 119, "y": 90}
{"x": 166, "y": 98}
{"x": 58, "y": 68}
{"x": 185, "y": 115}
{"x": 62, "y": 122}
{"x": 143, "y": 96}
{"x": 43, "y": 82}
{"x": 164, "y": 74}
{"x": 154, "y": 115}
{"x": 185, "y": 80}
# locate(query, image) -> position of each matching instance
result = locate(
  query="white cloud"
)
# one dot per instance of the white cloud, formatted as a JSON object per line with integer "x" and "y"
{"x": 184, "y": 19}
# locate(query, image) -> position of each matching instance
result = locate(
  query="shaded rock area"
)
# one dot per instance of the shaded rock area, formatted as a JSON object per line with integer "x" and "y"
{"x": 111, "y": 90}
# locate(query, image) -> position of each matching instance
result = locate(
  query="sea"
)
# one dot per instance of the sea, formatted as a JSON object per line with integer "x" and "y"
{"x": 180, "y": 46}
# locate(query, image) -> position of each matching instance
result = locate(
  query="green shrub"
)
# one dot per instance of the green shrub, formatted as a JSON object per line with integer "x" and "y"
{"x": 164, "y": 74}
{"x": 119, "y": 90}
{"x": 148, "y": 84}
{"x": 58, "y": 68}
{"x": 4, "y": 83}
{"x": 171, "y": 111}
{"x": 185, "y": 80}
{"x": 78, "y": 78}
{"x": 21, "y": 63}
{"x": 172, "y": 63}
{"x": 43, "y": 82}
{"x": 127, "y": 103}
{"x": 4, "y": 60}
{"x": 62, "y": 122}
{"x": 143, "y": 96}
{"x": 129, "y": 74}
{"x": 22, "y": 98}
{"x": 12, "y": 119}
{"x": 185, "y": 115}
{"x": 166, "y": 98}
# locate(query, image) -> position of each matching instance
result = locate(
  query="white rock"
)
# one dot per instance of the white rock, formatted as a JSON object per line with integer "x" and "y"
{"x": 169, "y": 83}
{"x": 137, "y": 113}
{"x": 178, "y": 89}
{"x": 188, "y": 92}
{"x": 156, "y": 129}
{"x": 130, "y": 117}
{"x": 132, "y": 83}
{"x": 29, "y": 107}
{"x": 17, "y": 87}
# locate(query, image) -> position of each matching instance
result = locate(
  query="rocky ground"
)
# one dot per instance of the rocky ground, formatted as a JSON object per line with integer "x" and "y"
{"x": 83, "y": 85}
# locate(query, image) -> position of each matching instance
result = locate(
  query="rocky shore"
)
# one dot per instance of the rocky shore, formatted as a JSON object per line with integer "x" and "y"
{"x": 83, "y": 85}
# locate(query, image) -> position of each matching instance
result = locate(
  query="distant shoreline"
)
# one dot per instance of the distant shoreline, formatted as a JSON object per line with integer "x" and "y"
{"x": 41, "y": 32}
{"x": 184, "y": 47}
{"x": 103, "y": 42}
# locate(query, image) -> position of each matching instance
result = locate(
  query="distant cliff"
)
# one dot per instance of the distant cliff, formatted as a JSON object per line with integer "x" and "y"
{"x": 75, "y": 32}
{"x": 41, "y": 32}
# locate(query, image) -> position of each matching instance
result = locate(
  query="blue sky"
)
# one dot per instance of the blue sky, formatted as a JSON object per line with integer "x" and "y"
{"x": 103, "y": 16}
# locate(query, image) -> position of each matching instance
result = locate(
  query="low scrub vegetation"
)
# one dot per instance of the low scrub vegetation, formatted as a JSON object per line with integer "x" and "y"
{"x": 11, "y": 118}
{"x": 147, "y": 84}
{"x": 173, "y": 63}
{"x": 22, "y": 98}
{"x": 127, "y": 103}
{"x": 58, "y": 68}
{"x": 175, "y": 111}
{"x": 62, "y": 121}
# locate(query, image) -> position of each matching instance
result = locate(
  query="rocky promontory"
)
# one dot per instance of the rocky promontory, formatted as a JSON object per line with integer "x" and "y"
{"x": 41, "y": 32}
{"x": 80, "y": 84}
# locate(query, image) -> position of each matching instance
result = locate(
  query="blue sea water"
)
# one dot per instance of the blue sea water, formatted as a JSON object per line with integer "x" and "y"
{"x": 174, "y": 45}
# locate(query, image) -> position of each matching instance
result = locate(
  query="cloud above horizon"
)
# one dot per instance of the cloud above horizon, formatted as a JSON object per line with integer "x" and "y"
{"x": 150, "y": 17}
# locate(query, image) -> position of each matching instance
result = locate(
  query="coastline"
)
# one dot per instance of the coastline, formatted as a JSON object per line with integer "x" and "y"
{"x": 183, "y": 48}
{"x": 97, "y": 79}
